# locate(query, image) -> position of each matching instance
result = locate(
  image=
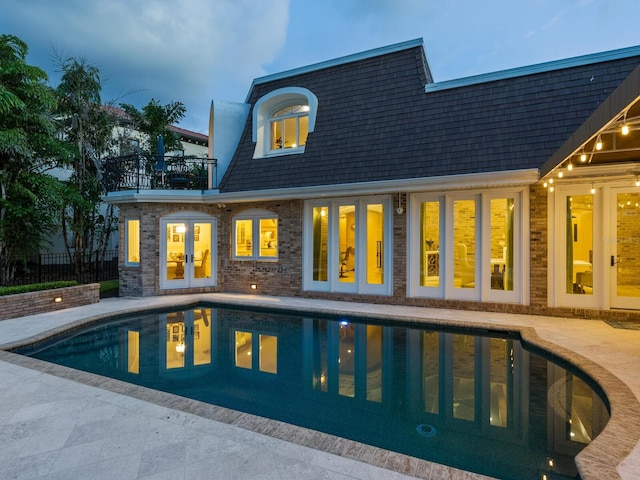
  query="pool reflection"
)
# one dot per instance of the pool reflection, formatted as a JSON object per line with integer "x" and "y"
{"x": 495, "y": 408}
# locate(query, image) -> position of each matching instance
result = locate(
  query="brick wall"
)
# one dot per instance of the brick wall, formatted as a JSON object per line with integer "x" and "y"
{"x": 23, "y": 304}
{"x": 284, "y": 276}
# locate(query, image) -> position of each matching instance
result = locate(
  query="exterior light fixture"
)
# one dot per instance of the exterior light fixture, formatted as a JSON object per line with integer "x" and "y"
{"x": 560, "y": 174}
{"x": 253, "y": 286}
{"x": 599, "y": 143}
{"x": 625, "y": 129}
{"x": 551, "y": 189}
{"x": 57, "y": 300}
{"x": 583, "y": 157}
{"x": 593, "y": 189}
{"x": 551, "y": 181}
{"x": 545, "y": 184}
{"x": 637, "y": 181}
{"x": 569, "y": 166}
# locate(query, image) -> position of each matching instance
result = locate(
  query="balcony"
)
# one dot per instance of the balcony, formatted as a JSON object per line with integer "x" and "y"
{"x": 150, "y": 172}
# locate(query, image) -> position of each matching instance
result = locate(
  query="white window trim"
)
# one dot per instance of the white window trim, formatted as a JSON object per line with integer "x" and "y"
{"x": 263, "y": 111}
{"x": 360, "y": 285}
{"x": 255, "y": 215}
{"x": 482, "y": 290}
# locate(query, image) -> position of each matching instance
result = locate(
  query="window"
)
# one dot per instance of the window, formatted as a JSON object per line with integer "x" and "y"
{"x": 282, "y": 120}
{"x": 289, "y": 127}
{"x": 468, "y": 246}
{"x": 346, "y": 240}
{"x": 255, "y": 236}
{"x": 132, "y": 242}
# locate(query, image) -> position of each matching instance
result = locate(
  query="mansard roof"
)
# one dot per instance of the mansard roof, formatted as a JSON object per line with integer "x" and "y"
{"x": 381, "y": 118}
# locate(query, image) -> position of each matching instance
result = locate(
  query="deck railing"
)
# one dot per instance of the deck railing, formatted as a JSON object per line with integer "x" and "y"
{"x": 150, "y": 172}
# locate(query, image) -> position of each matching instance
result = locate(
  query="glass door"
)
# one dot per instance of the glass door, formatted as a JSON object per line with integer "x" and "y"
{"x": 187, "y": 253}
{"x": 624, "y": 260}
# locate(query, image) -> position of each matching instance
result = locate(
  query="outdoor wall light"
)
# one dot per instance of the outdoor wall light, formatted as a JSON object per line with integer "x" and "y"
{"x": 57, "y": 299}
{"x": 254, "y": 286}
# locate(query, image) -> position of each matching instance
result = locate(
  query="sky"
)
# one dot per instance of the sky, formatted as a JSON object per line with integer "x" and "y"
{"x": 194, "y": 51}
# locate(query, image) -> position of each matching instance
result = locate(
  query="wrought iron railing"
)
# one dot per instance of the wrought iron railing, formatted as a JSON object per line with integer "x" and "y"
{"x": 150, "y": 172}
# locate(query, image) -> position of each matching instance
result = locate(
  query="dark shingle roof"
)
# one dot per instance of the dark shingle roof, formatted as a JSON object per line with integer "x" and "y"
{"x": 375, "y": 122}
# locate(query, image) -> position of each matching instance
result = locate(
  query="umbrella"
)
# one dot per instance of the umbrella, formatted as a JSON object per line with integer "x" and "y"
{"x": 160, "y": 163}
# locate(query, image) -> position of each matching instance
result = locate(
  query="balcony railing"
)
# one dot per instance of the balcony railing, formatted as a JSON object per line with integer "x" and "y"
{"x": 150, "y": 172}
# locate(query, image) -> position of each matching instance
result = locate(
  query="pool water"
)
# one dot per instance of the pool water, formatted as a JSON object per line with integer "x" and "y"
{"x": 480, "y": 403}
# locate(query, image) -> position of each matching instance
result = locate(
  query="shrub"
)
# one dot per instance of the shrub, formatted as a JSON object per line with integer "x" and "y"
{"x": 36, "y": 287}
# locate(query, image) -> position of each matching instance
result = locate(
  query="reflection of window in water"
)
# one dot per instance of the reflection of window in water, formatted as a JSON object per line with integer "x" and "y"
{"x": 430, "y": 371}
{"x": 346, "y": 359}
{"x": 464, "y": 377}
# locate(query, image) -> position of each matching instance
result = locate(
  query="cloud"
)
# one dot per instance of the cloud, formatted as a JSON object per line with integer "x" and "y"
{"x": 182, "y": 50}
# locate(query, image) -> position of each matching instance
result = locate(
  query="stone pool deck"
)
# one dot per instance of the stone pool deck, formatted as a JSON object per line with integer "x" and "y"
{"x": 61, "y": 423}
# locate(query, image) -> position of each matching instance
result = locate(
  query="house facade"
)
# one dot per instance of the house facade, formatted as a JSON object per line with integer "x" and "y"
{"x": 362, "y": 179}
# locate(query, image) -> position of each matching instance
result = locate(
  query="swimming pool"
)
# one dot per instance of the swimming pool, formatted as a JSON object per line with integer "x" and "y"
{"x": 479, "y": 403}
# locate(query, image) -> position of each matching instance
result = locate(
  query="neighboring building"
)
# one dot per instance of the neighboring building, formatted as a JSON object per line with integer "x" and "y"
{"x": 361, "y": 179}
{"x": 128, "y": 141}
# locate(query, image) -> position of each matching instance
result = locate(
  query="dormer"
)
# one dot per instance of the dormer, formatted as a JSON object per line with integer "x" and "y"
{"x": 282, "y": 119}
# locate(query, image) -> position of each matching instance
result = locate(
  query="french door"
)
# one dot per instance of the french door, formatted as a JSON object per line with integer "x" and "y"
{"x": 187, "y": 252}
{"x": 624, "y": 248}
{"x": 597, "y": 258}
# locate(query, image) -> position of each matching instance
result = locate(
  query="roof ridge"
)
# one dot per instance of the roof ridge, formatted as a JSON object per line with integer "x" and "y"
{"x": 354, "y": 57}
{"x": 550, "y": 66}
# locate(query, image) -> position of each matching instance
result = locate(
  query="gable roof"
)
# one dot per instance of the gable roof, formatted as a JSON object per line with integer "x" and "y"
{"x": 375, "y": 121}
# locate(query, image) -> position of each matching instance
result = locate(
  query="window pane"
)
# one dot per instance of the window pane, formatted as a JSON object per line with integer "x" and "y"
{"x": 500, "y": 364}
{"x": 375, "y": 244}
{"x": 202, "y": 337}
{"x": 627, "y": 271}
{"x": 431, "y": 371}
{"x": 268, "y": 353}
{"x": 303, "y": 130}
{"x": 243, "y": 349}
{"x": 464, "y": 217}
{"x": 244, "y": 233}
{"x": 347, "y": 242}
{"x": 133, "y": 241}
{"x": 268, "y": 237}
{"x": 175, "y": 250}
{"x": 374, "y": 363}
{"x": 346, "y": 360}
{"x": 290, "y": 132}
{"x": 176, "y": 347}
{"x": 276, "y": 135}
{"x": 579, "y": 244}
{"x": 429, "y": 244}
{"x": 320, "y": 243}
{"x": 464, "y": 377}
{"x": 202, "y": 250}
{"x": 502, "y": 244}
{"x": 133, "y": 353}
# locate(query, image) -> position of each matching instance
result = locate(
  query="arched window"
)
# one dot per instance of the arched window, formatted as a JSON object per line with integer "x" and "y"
{"x": 282, "y": 119}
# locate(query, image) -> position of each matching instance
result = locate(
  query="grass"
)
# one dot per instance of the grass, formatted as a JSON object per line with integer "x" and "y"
{"x": 109, "y": 288}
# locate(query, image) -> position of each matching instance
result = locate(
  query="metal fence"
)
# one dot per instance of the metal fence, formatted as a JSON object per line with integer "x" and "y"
{"x": 53, "y": 267}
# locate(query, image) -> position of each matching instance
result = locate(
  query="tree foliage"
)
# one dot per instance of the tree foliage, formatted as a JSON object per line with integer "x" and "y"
{"x": 153, "y": 120}
{"x": 87, "y": 131}
{"x": 28, "y": 147}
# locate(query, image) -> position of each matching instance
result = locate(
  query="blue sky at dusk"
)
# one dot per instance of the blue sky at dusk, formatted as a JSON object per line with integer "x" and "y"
{"x": 196, "y": 50}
